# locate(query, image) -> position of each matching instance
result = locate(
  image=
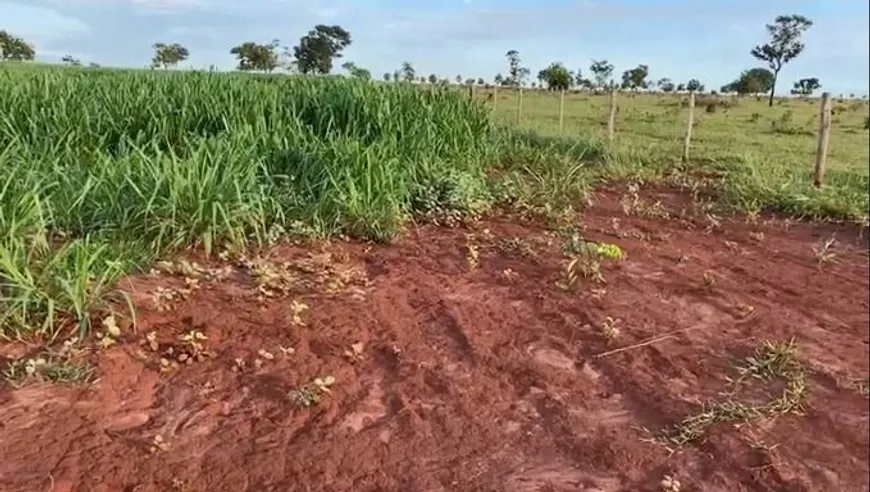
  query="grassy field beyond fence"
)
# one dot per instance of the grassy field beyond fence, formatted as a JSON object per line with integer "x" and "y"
{"x": 766, "y": 153}
{"x": 724, "y": 126}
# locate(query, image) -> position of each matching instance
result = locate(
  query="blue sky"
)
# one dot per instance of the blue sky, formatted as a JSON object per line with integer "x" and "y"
{"x": 677, "y": 38}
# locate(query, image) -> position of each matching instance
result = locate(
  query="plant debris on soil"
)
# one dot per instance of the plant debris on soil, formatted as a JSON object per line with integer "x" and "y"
{"x": 681, "y": 352}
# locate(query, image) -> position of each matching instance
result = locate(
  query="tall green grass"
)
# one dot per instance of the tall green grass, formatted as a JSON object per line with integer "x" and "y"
{"x": 103, "y": 171}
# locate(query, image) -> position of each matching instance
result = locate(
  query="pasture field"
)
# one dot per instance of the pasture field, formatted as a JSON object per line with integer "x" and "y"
{"x": 768, "y": 152}
{"x": 267, "y": 283}
{"x": 735, "y": 128}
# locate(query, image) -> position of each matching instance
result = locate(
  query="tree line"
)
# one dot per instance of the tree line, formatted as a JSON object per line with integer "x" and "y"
{"x": 313, "y": 55}
{"x": 320, "y": 47}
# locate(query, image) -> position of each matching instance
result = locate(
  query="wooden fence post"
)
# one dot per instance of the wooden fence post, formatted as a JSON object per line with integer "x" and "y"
{"x": 494, "y": 98}
{"x": 471, "y": 92}
{"x": 519, "y": 105}
{"x": 561, "y": 111}
{"x": 689, "y": 126}
{"x": 611, "y": 122}
{"x": 824, "y": 138}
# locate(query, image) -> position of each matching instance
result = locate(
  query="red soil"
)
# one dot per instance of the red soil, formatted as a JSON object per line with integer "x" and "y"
{"x": 469, "y": 381}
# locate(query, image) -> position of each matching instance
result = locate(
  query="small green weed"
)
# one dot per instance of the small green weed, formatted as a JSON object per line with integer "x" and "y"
{"x": 310, "y": 394}
{"x": 610, "y": 251}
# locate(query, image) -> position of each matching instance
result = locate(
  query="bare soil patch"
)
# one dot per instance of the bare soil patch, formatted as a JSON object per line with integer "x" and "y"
{"x": 452, "y": 361}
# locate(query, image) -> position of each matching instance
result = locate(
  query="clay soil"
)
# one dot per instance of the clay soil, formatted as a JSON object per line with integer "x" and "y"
{"x": 452, "y": 374}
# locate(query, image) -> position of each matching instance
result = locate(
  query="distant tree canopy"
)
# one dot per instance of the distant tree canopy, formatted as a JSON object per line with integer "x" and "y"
{"x": 257, "y": 57}
{"x": 635, "y": 78}
{"x": 784, "y": 45}
{"x": 694, "y": 85}
{"x": 71, "y": 61}
{"x": 806, "y": 87}
{"x": 580, "y": 81}
{"x": 556, "y": 77}
{"x": 319, "y": 47}
{"x": 665, "y": 85}
{"x": 753, "y": 81}
{"x": 356, "y": 72}
{"x": 168, "y": 55}
{"x": 408, "y": 72}
{"x": 517, "y": 74}
{"x": 14, "y": 48}
{"x": 601, "y": 71}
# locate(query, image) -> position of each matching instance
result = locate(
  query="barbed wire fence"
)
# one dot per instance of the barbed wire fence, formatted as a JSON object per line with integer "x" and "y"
{"x": 823, "y": 133}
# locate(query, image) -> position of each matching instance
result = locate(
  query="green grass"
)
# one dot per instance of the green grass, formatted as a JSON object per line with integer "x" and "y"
{"x": 766, "y": 154}
{"x": 103, "y": 171}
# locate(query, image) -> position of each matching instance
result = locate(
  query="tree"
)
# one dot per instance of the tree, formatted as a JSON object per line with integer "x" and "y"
{"x": 665, "y": 85}
{"x": 387, "y": 76}
{"x": 635, "y": 78}
{"x": 499, "y": 79}
{"x": 408, "y": 72}
{"x": 754, "y": 81}
{"x": 168, "y": 55}
{"x": 319, "y": 47}
{"x": 71, "y": 61}
{"x": 785, "y": 44}
{"x": 805, "y": 87}
{"x": 556, "y": 77}
{"x": 356, "y": 72}
{"x": 469, "y": 81}
{"x": 580, "y": 81}
{"x": 458, "y": 78}
{"x": 260, "y": 57}
{"x": 681, "y": 88}
{"x": 433, "y": 78}
{"x": 480, "y": 81}
{"x": 517, "y": 73}
{"x": 601, "y": 70}
{"x": 694, "y": 85}
{"x": 14, "y": 48}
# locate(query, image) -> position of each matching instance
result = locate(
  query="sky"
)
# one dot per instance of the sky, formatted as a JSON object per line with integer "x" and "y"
{"x": 678, "y": 39}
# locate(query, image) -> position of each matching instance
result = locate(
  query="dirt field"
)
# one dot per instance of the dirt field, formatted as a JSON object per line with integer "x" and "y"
{"x": 447, "y": 369}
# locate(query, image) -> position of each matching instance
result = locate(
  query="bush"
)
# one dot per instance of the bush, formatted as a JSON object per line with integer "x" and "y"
{"x": 785, "y": 125}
